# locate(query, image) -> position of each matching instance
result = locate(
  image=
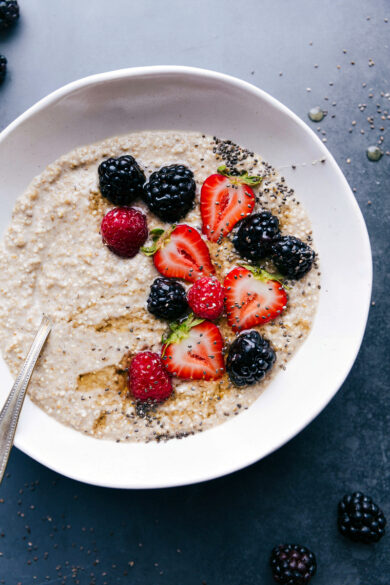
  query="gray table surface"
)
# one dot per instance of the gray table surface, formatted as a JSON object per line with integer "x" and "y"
{"x": 305, "y": 53}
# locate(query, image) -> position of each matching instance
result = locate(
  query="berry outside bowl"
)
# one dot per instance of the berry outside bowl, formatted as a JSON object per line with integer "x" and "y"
{"x": 185, "y": 98}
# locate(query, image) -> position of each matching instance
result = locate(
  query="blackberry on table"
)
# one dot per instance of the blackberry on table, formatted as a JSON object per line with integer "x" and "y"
{"x": 121, "y": 180}
{"x": 360, "y": 519}
{"x": 250, "y": 357}
{"x": 170, "y": 192}
{"x": 292, "y": 257}
{"x": 9, "y": 13}
{"x": 167, "y": 299}
{"x": 255, "y": 234}
{"x": 3, "y": 68}
{"x": 292, "y": 564}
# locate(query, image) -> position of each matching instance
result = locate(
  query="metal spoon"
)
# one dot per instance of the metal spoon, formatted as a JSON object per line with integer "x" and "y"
{"x": 10, "y": 413}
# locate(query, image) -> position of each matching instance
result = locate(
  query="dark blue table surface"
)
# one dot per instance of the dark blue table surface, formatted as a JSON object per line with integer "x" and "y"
{"x": 306, "y": 53}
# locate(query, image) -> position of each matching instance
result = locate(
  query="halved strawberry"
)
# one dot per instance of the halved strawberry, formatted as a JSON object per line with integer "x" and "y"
{"x": 252, "y": 297}
{"x": 224, "y": 200}
{"x": 180, "y": 252}
{"x": 194, "y": 350}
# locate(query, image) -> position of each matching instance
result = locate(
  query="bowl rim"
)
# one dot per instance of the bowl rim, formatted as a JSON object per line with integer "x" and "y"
{"x": 181, "y": 70}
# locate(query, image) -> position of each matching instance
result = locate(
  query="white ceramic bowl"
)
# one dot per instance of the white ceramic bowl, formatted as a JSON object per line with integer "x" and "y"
{"x": 193, "y": 99}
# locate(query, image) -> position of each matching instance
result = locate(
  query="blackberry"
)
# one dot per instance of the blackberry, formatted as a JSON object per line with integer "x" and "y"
{"x": 170, "y": 192}
{"x": 250, "y": 357}
{"x": 292, "y": 564}
{"x": 9, "y": 13}
{"x": 121, "y": 180}
{"x": 359, "y": 518}
{"x": 255, "y": 234}
{"x": 3, "y": 68}
{"x": 292, "y": 257}
{"x": 167, "y": 299}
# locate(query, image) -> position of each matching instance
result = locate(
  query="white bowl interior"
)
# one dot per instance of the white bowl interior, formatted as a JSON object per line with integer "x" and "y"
{"x": 191, "y": 99}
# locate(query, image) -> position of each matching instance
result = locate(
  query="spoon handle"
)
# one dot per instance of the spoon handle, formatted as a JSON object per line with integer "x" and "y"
{"x": 10, "y": 413}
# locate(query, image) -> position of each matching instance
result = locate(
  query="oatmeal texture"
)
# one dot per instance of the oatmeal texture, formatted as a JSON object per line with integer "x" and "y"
{"x": 52, "y": 261}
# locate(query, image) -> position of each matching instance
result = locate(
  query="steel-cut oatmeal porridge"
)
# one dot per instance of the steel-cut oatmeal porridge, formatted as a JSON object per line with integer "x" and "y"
{"x": 175, "y": 296}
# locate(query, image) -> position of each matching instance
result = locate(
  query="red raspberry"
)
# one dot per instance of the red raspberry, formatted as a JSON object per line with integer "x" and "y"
{"x": 205, "y": 298}
{"x": 149, "y": 381}
{"x": 124, "y": 230}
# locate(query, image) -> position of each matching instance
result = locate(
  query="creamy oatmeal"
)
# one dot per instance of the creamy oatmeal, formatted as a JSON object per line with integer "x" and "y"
{"x": 52, "y": 260}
